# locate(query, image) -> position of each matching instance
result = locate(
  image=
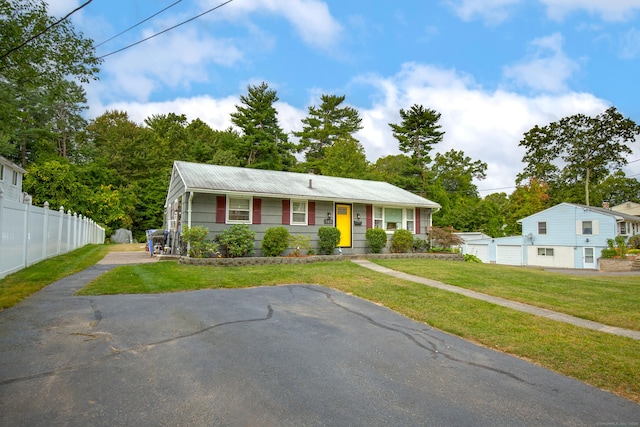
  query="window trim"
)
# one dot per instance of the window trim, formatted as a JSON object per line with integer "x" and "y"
{"x": 546, "y": 252}
{"x": 540, "y": 229}
{"x": 377, "y": 220}
{"x": 292, "y": 211}
{"x": 228, "y": 210}
{"x": 590, "y": 229}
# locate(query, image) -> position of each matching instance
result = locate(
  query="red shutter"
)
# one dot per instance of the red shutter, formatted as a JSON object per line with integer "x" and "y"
{"x": 286, "y": 212}
{"x": 312, "y": 213}
{"x": 257, "y": 211}
{"x": 221, "y": 209}
{"x": 369, "y": 215}
{"x": 417, "y": 221}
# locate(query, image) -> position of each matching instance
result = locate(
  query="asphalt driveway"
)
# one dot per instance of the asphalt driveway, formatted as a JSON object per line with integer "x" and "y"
{"x": 298, "y": 355}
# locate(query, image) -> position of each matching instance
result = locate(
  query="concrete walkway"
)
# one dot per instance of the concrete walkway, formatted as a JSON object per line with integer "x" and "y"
{"x": 543, "y": 312}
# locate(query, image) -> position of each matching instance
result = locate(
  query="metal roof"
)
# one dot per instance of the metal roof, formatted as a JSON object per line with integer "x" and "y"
{"x": 206, "y": 178}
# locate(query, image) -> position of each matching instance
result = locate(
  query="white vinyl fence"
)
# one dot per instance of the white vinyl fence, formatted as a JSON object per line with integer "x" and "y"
{"x": 29, "y": 234}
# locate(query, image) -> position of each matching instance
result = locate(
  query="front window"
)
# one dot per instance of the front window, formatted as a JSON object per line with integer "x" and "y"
{"x": 392, "y": 219}
{"x": 542, "y": 227}
{"x": 238, "y": 210}
{"x": 587, "y": 227}
{"x": 545, "y": 251}
{"x": 298, "y": 212}
{"x": 622, "y": 228}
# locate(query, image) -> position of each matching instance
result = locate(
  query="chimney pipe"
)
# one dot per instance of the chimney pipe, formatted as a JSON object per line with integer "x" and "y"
{"x": 605, "y": 205}
{"x": 310, "y": 183}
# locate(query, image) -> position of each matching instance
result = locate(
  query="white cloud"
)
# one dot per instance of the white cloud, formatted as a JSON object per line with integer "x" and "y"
{"x": 486, "y": 125}
{"x": 630, "y": 44}
{"x": 311, "y": 19}
{"x": 491, "y": 11}
{"x": 547, "y": 69}
{"x": 608, "y": 10}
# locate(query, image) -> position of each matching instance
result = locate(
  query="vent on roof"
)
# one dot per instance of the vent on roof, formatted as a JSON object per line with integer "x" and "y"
{"x": 310, "y": 183}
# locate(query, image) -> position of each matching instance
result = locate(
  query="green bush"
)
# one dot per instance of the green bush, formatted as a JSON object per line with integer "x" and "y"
{"x": 401, "y": 241}
{"x": 609, "y": 253}
{"x": 238, "y": 240}
{"x": 421, "y": 245}
{"x": 472, "y": 258}
{"x": 376, "y": 239}
{"x": 329, "y": 238}
{"x": 621, "y": 243}
{"x": 634, "y": 242}
{"x": 275, "y": 241}
{"x": 199, "y": 246}
{"x": 300, "y": 243}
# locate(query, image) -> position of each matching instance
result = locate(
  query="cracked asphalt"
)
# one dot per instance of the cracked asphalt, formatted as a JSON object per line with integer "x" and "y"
{"x": 296, "y": 355}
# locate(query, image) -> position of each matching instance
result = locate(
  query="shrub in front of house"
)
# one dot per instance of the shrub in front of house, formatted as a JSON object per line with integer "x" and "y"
{"x": 376, "y": 239}
{"x": 420, "y": 245}
{"x": 275, "y": 241}
{"x": 199, "y": 246}
{"x": 238, "y": 240}
{"x": 401, "y": 241}
{"x": 472, "y": 258}
{"x": 299, "y": 243}
{"x": 328, "y": 240}
{"x": 634, "y": 242}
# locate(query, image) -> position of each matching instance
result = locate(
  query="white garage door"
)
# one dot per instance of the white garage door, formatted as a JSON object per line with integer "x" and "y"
{"x": 481, "y": 251}
{"x": 509, "y": 254}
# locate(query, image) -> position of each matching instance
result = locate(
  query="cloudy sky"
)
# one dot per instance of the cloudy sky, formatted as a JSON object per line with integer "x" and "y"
{"x": 492, "y": 68}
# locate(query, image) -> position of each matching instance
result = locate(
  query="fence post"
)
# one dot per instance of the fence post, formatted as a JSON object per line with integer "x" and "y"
{"x": 60, "y": 224}
{"x": 69, "y": 225}
{"x": 1, "y": 213}
{"x": 45, "y": 231}
{"x": 27, "y": 234}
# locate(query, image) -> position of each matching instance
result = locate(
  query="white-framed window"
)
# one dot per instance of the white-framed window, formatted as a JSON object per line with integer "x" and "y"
{"x": 239, "y": 209}
{"x": 545, "y": 251}
{"x": 1, "y": 172}
{"x": 391, "y": 219}
{"x": 587, "y": 228}
{"x": 542, "y": 227}
{"x": 622, "y": 229}
{"x": 299, "y": 212}
{"x": 14, "y": 181}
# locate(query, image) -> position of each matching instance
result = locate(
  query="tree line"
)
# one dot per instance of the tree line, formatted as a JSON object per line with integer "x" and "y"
{"x": 117, "y": 171}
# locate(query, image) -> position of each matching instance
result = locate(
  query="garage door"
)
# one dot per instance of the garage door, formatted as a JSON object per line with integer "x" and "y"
{"x": 481, "y": 251}
{"x": 509, "y": 254}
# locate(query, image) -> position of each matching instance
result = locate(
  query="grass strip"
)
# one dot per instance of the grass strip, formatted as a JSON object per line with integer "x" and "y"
{"x": 612, "y": 300}
{"x": 19, "y": 285}
{"x": 605, "y": 361}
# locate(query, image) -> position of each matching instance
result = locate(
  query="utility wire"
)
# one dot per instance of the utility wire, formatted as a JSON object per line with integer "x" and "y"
{"x": 168, "y": 29}
{"x": 10, "y": 51}
{"x": 139, "y": 23}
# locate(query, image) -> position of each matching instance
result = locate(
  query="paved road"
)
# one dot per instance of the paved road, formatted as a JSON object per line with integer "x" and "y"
{"x": 299, "y": 355}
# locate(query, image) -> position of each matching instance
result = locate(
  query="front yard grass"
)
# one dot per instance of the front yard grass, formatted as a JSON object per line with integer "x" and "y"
{"x": 612, "y": 300}
{"x": 605, "y": 361}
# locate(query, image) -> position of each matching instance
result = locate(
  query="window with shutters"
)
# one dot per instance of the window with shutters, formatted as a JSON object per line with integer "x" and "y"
{"x": 299, "y": 212}
{"x": 238, "y": 210}
{"x": 587, "y": 228}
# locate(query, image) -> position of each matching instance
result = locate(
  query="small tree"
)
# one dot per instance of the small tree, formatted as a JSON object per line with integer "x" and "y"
{"x": 376, "y": 239}
{"x": 401, "y": 241}
{"x": 329, "y": 238}
{"x": 300, "y": 243}
{"x": 238, "y": 240}
{"x": 444, "y": 237}
{"x": 275, "y": 241}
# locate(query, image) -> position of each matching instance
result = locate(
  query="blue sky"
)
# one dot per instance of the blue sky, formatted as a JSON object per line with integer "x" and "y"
{"x": 492, "y": 68}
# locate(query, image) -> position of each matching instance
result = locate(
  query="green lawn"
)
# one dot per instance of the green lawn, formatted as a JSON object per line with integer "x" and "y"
{"x": 605, "y": 361}
{"x": 612, "y": 300}
{"x": 23, "y": 283}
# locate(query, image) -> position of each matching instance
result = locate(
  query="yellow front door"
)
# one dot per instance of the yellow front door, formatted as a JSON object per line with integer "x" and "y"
{"x": 343, "y": 223}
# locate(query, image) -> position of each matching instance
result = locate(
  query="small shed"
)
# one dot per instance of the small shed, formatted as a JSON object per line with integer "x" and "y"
{"x": 11, "y": 180}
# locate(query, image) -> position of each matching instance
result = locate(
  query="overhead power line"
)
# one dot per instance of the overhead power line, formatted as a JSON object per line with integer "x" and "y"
{"x": 168, "y": 29}
{"x": 10, "y": 51}
{"x": 139, "y": 23}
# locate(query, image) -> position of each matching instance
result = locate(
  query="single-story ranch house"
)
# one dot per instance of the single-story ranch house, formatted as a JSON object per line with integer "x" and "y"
{"x": 216, "y": 197}
{"x": 567, "y": 235}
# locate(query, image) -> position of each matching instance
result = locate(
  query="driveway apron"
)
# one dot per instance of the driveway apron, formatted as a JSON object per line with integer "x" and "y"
{"x": 296, "y": 355}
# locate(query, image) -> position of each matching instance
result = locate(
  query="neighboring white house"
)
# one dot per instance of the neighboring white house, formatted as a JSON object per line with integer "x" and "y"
{"x": 564, "y": 236}
{"x": 216, "y": 197}
{"x": 11, "y": 180}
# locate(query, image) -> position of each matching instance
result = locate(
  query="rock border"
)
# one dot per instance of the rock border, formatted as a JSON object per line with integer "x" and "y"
{"x": 235, "y": 262}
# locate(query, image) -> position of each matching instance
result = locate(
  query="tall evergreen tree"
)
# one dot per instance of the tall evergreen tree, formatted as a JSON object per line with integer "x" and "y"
{"x": 323, "y": 126}
{"x": 418, "y": 132}
{"x": 264, "y": 144}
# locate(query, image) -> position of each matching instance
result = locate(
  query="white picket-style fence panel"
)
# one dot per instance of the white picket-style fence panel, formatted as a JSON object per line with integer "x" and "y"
{"x": 30, "y": 234}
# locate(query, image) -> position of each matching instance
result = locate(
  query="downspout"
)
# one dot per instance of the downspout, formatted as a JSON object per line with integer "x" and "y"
{"x": 189, "y": 210}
